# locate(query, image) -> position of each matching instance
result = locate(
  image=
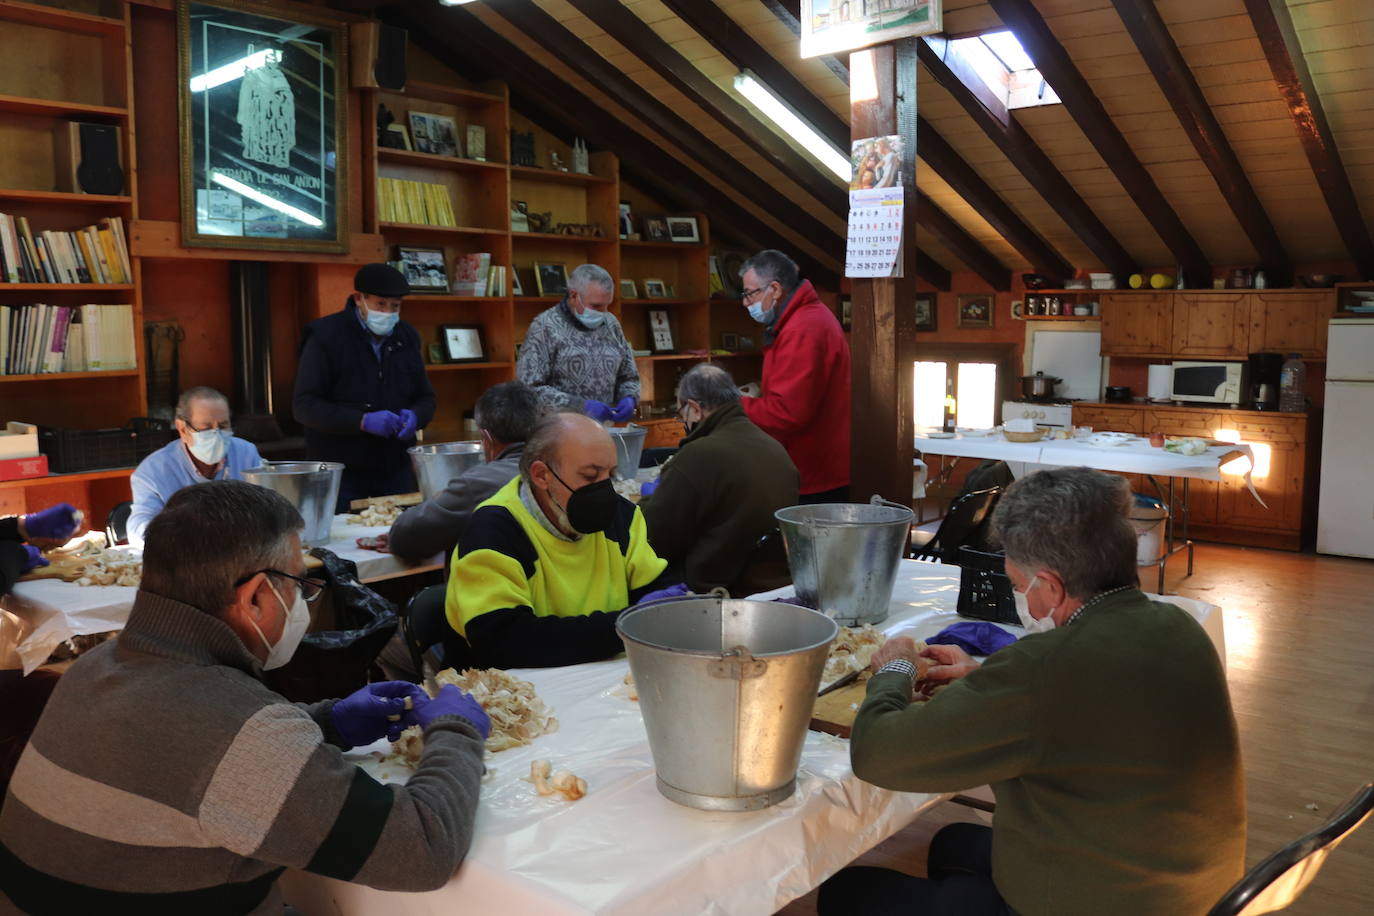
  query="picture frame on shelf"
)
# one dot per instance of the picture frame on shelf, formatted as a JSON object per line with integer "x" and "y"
{"x": 660, "y": 330}
{"x": 925, "y": 312}
{"x": 462, "y": 343}
{"x": 628, "y": 290}
{"x": 975, "y": 311}
{"x": 683, "y": 229}
{"x": 476, "y": 142}
{"x": 289, "y": 188}
{"x": 519, "y": 216}
{"x": 846, "y": 312}
{"x": 627, "y": 222}
{"x": 729, "y": 341}
{"x": 425, "y": 269}
{"x": 551, "y": 277}
{"x": 715, "y": 280}
{"x": 397, "y": 137}
{"x": 656, "y": 229}
{"x": 655, "y": 289}
{"x": 434, "y": 133}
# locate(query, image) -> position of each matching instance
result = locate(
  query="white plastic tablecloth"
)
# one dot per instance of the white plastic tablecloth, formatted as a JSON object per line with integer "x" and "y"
{"x": 1136, "y": 457}
{"x": 626, "y": 850}
{"x": 43, "y": 613}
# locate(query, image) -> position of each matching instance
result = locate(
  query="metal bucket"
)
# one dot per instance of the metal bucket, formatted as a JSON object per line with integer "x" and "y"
{"x": 844, "y": 556}
{"x": 629, "y": 445}
{"x": 311, "y": 486}
{"x": 727, "y": 688}
{"x": 436, "y": 465}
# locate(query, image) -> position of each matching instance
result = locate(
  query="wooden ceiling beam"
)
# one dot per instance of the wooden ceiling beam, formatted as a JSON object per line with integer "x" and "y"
{"x": 933, "y": 272}
{"x": 1274, "y": 26}
{"x": 640, "y": 39}
{"x": 1082, "y": 103}
{"x": 1031, "y": 161}
{"x": 1156, "y": 44}
{"x": 969, "y": 185}
{"x": 960, "y": 244}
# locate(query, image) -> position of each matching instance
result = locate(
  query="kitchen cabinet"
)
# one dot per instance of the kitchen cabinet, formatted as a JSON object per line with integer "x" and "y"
{"x": 1290, "y": 322}
{"x": 1278, "y": 476}
{"x": 1107, "y": 418}
{"x": 1136, "y": 324}
{"x": 1202, "y": 494}
{"x": 1211, "y": 325}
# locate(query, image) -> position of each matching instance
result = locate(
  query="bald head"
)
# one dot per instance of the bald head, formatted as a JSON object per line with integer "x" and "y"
{"x": 572, "y": 444}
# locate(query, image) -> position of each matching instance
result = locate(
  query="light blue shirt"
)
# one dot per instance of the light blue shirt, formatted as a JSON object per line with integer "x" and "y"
{"x": 169, "y": 469}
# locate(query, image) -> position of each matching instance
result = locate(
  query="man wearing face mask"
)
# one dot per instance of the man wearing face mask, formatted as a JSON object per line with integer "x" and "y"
{"x": 804, "y": 398}
{"x": 716, "y": 497}
{"x": 165, "y": 775}
{"x": 361, "y": 388}
{"x": 1106, "y": 734}
{"x": 546, "y": 565}
{"x": 205, "y": 449}
{"x": 575, "y": 354}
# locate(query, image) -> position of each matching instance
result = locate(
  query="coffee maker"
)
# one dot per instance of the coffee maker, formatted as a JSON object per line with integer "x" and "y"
{"x": 1265, "y": 369}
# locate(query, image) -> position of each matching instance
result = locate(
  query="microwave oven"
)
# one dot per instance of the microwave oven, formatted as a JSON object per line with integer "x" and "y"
{"x": 1209, "y": 382}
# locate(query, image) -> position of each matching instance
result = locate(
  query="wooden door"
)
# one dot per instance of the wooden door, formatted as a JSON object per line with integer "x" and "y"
{"x": 1211, "y": 325}
{"x": 1291, "y": 322}
{"x": 1280, "y": 484}
{"x": 1136, "y": 324}
{"x": 1203, "y": 494}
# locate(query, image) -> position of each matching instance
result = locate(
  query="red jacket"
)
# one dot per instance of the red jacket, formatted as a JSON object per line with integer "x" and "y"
{"x": 805, "y": 399}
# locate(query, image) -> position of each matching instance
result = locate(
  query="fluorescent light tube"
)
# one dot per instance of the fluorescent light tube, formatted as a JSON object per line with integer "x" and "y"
{"x": 239, "y": 187}
{"x": 778, "y": 112}
{"x": 229, "y": 72}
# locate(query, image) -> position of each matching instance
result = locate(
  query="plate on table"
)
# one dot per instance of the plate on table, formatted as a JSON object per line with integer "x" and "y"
{"x": 938, "y": 434}
{"x": 968, "y": 431}
{"x": 1110, "y": 440}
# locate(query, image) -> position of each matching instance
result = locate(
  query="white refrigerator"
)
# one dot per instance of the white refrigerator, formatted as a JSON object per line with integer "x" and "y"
{"x": 1345, "y": 512}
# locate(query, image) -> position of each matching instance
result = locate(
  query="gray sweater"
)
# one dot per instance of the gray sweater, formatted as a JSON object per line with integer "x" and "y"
{"x": 568, "y": 364}
{"x": 164, "y": 776}
{"x": 436, "y": 524}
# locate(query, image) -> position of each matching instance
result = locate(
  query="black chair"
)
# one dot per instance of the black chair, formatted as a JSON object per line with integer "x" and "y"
{"x": 424, "y": 626}
{"x": 1280, "y": 879}
{"x": 964, "y": 525}
{"x": 117, "y": 524}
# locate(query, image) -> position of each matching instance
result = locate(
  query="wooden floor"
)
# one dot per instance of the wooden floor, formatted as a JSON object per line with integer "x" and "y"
{"x": 1300, "y": 657}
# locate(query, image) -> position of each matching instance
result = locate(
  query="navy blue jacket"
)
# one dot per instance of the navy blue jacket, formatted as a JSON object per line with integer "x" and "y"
{"x": 339, "y": 379}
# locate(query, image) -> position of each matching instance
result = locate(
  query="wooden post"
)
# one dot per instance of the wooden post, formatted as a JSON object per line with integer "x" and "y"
{"x": 883, "y": 321}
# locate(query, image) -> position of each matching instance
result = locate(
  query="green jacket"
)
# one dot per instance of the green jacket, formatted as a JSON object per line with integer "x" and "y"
{"x": 1111, "y": 747}
{"x": 716, "y": 498}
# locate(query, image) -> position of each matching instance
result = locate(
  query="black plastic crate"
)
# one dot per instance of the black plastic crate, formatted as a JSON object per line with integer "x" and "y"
{"x": 984, "y": 589}
{"x": 72, "y": 450}
{"x": 152, "y": 434}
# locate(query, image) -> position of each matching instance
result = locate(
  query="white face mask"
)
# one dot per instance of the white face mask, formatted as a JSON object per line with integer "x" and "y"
{"x": 209, "y": 445}
{"x": 297, "y": 622}
{"x": 1032, "y": 625}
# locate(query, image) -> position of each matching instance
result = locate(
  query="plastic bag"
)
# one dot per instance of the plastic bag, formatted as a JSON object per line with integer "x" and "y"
{"x": 334, "y": 663}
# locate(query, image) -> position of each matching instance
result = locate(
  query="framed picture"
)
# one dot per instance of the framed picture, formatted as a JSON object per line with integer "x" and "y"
{"x": 462, "y": 343}
{"x": 683, "y": 228}
{"x": 551, "y": 277}
{"x": 660, "y": 331}
{"x": 975, "y": 311}
{"x": 715, "y": 280}
{"x": 655, "y": 289}
{"x": 397, "y": 137}
{"x": 729, "y": 341}
{"x": 477, "y": 142}
{"x": 263, "y": 127}
{"x": 424, "y": 269}
{"x": 656, "y": 229}
{"x": 628, "y": 290}
{"x": 925, "y": 312}
{"x": 846, "y": 312}
{"x": 519, "y": 216}
{"x": 828, "y": 27}
{"x": 434, "y": 133}
{"x": 627, "y": 222}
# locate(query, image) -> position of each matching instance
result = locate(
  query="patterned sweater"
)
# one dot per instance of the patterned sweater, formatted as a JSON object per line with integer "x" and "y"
{"x": 567, "y": 363}
{"x": 165, "y": 777}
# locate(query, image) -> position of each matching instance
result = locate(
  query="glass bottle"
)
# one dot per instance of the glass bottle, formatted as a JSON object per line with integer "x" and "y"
{"x": 951, "y": 408}
{"x": 1293, "y": 385}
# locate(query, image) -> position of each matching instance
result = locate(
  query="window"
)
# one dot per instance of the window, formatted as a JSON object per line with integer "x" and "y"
{"x": 975, "y": 393}
{"x": 1007, "y": 69}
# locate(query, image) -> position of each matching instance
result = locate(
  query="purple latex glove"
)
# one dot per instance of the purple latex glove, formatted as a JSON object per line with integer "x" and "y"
{"x": 647, "y": 488}
{"x": 974, "y": 637}
{"x": 365, "y": 715}
{"x": 55, "y": 523}
{"x": 672, "y": 591}
{"x": 409, "y": 423}
{"x": 32, "y": 560}
{"x": 451, "y": 702}
{"x": 597, "y": 411}
{"x": 623, "y": 410}
{"x": 382, "y": 423}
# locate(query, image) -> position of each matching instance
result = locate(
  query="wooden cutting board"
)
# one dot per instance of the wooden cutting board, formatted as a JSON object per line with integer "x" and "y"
{"x": 834, "y": 713}
{"x": 401, "y": 499}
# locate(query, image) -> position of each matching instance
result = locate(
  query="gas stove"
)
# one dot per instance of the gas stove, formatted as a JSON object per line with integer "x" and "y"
{"x": 1056, "y": 413}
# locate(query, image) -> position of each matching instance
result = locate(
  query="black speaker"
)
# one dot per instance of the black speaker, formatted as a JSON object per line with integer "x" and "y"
{"x": 90, "y": 158}
{"x": 378, "y": 56}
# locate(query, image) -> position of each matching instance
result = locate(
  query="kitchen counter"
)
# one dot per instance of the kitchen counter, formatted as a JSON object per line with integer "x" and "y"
{"x": 1184, "y": 405}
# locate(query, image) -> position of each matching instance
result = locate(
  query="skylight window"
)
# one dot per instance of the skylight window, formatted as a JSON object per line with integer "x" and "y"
{"x": 1007, "y": 69}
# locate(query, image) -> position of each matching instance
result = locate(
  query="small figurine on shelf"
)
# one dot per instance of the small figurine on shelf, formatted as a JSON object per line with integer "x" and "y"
{"x": 581, "y": 162}
{"x": 557, "y": 161}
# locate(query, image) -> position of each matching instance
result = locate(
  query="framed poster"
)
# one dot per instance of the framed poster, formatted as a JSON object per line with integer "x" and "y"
{"x": 683, "y": 228}
{"x": 836, "y": 26}
{"x": 424, "y": 269}
{"x": 925, "y": 312}
{"x": 462, "y": 343}
{"x": 660, "y": 330}
{"x": 551, "y": 278}
{"x": 975, "y": 311}
{"x": 263, "y": 127}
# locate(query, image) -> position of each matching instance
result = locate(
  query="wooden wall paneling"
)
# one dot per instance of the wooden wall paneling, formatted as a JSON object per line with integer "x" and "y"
{"x": 1291, "y": 322}
{"x": 1138, "y": 324}
{"x": 968, "y": 217}
{"x": 964, "y": 246}
{"x": 1208, "y": 324}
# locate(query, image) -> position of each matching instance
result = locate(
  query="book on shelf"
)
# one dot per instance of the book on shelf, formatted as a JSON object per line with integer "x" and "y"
{"x": 41, "y": 339}
{"x": 496, "y": 280}
{"x": 92, "y": 254}
{"x": 471, "y": 273}
{"x": 417, "y": 202}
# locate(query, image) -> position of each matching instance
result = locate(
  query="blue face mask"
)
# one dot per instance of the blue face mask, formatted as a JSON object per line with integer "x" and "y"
{"x": 760, "y": 314}
{"x": 591, "y": 319}
{"x": 382, "y": 323}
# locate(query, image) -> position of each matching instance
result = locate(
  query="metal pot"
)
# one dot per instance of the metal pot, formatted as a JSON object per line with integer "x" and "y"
{"x": 435, "y": 465}
{"x": 1038, "y": 387}
{"x": 311, "y": 486}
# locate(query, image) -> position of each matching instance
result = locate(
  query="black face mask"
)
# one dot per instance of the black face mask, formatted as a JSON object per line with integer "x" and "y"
{"x": 591, "y": 508}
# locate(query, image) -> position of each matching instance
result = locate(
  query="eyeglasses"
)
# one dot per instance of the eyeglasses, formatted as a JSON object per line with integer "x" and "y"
{"x": 751, "y": 293}
{"x": 222, "y": 427}
{"x": 310, "y": 588}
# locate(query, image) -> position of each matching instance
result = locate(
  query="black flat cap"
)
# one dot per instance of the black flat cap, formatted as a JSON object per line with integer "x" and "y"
{"x": 381, "y": 280}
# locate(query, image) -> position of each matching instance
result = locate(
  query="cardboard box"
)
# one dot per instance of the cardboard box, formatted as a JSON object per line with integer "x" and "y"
{"x": 23, "y": 468}
{"x": 18, "y": 440}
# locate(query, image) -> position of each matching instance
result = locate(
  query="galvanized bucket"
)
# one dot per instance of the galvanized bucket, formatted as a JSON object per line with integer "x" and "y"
{"x": 844, "y": 556}
{"x": 727, "y": 688}
{"x": 436, "y": 465}
{"x": 629, "y": 445}
{"x": 311, "y": 486}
